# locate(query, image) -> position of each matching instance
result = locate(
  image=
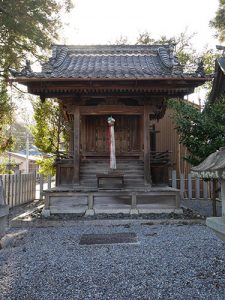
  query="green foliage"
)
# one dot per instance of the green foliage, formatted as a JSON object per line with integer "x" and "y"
{"x": 4, "y": 166}
{"x": 219, "y": 21}
{"x": 209, "y": 57}
{"x": 5, "y": 118}
{"x": 202, "y": 132}
{"x": 4, "y": 104}
{"x": 46, "y": 166}
{"x": 27, "y": 26}
{"x": 48, "y": 133}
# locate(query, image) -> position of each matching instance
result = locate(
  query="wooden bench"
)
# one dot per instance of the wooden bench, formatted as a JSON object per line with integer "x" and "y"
{"x": 112, "y": 175}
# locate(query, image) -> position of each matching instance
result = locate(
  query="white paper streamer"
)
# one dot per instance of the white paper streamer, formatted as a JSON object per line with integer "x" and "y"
{"x": 111, "y": 122}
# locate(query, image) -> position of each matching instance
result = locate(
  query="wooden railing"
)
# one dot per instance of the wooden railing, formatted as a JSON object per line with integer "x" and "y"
{"x": 160, "y": 158}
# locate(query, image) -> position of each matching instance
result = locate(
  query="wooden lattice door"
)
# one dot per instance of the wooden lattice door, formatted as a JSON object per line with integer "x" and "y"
{"x": 127, "y": 135}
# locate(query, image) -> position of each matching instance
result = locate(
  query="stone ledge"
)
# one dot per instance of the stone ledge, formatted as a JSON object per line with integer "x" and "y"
{"x": 217, "y": 224}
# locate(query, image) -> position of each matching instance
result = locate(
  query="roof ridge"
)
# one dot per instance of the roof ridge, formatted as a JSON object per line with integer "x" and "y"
{"x": 112, "y": 45}
{"x": 95, "y": 49}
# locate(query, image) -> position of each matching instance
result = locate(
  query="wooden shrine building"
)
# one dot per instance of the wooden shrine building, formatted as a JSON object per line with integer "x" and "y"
{"x": 131, "y": 83}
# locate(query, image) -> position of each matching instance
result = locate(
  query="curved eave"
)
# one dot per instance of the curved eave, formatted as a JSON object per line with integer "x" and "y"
{"x": 165, "y": 86}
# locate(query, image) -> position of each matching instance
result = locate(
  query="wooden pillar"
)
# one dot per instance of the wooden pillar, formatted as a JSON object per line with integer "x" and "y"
{"x": 71, "y": 138}
{"x": 76, "y": 152}
{"x": 146, "y": 131}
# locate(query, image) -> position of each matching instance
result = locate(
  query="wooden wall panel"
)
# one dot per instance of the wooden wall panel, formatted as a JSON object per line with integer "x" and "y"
{"x": 168, "y": 139}
{"x": 127, "y": 134}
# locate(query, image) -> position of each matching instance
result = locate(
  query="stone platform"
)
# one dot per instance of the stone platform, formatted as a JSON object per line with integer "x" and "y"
{"x": 89, "y": 201}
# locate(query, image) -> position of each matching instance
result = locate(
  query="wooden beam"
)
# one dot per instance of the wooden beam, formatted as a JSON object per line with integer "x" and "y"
{"x": 111, "y": 109}
{"x": 76, "y": 178}
{"x": 58, "y": 92}
{"x": 146, "y": 124}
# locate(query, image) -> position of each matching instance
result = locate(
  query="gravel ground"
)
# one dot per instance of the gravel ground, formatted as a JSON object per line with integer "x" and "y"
{"x": 173, "y": 261}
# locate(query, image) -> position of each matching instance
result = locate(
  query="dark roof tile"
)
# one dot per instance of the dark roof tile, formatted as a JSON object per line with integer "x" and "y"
{"x": 112, "y": 61}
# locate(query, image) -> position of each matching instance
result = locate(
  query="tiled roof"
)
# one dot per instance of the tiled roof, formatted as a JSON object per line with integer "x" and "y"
{"x": 218, "y": 87}
{"x": 214, "y": 162}
{"x": 109, "y": 62}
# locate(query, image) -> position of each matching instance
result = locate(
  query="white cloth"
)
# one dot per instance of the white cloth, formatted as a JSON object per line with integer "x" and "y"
{"x": 111, "y": 122}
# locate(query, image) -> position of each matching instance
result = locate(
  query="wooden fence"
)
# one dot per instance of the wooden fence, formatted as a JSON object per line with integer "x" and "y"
{"x": 19, "y": 188}
{"x": 192, "y": 188}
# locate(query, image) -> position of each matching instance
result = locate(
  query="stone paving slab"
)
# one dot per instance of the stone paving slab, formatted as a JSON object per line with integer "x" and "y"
{"x": 107, "y": 239}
